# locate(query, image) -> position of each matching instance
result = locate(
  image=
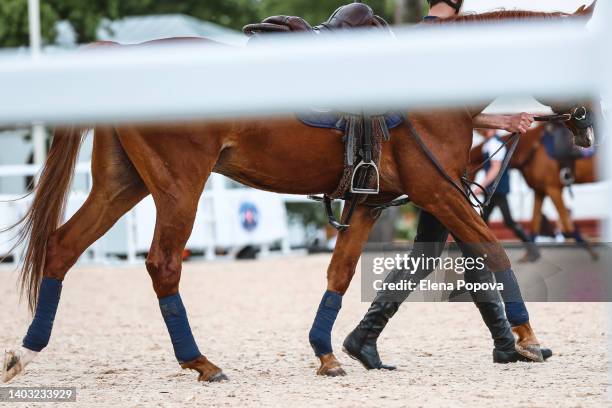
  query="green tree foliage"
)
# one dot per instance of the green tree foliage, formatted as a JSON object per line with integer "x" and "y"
{"x": 14, "y": 23}
{"x": 85, "y": 16}
{"x": 228, "y": 13}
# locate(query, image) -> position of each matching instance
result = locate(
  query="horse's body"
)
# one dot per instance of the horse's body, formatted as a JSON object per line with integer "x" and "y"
{"x": 542, "y": 173}
{"x": 172, "y": 162}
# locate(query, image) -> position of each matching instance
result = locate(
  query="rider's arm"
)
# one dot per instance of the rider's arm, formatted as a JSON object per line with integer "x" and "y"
{"x": 492, "y": 173}
{"x": 520, "y": 122}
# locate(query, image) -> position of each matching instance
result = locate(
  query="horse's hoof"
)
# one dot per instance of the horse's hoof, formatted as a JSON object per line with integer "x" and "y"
{"x": 11, "y": 366}
{"x": 527, "y": 345}
{"x": 219, "y": 377}
{"x": 529, "y": 258}
{"x": 332, "y": 372}
{"x": 330, "y": 366}
{"x": 208, "y": 371}
{"x": 532, "y": 351}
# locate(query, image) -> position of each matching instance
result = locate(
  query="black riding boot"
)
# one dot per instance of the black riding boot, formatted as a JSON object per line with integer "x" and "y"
{"x": 360, "y": 344}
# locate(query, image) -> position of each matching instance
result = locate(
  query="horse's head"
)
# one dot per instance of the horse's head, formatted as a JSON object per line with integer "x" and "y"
{"x": 580, "y": 120}
{"x": 585, "y": 12}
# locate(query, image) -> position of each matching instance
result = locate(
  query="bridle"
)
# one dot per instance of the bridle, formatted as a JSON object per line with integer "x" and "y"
{"x": 578, "y": 115}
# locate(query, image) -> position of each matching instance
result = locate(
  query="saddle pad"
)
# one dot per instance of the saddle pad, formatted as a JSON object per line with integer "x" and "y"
{"x": 549, "y": 144}
{"x": 334, "y": 120}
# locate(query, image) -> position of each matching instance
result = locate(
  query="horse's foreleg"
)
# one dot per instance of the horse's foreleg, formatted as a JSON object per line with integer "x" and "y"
{"x": 339, "y": 274}
{"x": 536, "y": 220}
{"x": 556, "y": 195}
{"x": 532, "y": 253}
{"x": 569, "y": 228}
{"x": 116, "y": 188}
{"x": 457, "y": 215}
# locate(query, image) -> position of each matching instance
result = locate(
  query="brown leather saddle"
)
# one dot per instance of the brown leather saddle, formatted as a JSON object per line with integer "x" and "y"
{"x": 349, "y": 16}
{"x": 364, "y": 131}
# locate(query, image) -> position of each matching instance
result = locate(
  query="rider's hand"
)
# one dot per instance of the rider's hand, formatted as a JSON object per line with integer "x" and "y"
{"x": 520, "y": 122}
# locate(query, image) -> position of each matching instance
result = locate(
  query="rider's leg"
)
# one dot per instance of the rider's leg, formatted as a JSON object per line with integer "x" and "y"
{"x": 361, "y": 342}
{"x": 502, "y": 202}
{"x": 532, "y": 250}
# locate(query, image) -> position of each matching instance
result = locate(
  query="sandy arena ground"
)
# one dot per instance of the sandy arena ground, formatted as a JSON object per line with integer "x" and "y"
{"x": 252, "y": 319}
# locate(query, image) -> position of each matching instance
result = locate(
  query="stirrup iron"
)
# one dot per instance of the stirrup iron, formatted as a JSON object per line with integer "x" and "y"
{"x": 365, "y": 166}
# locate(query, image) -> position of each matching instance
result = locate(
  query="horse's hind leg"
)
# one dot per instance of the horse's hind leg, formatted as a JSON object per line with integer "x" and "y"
{"x": 569, "y": 228}
{"x": 176, "y": 186}
{"x": 339, "y": 274}
{"x": 175, "y": 216}
{"x": 116, "y": 188}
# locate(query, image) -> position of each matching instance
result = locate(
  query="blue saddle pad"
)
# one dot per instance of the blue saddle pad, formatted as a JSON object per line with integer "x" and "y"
{"x": 549, "y": 144}
{"x": 333, "y": 120}
{"x": 548, "y": 140}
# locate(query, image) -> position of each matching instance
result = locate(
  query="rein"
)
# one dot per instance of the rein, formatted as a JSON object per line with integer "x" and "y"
{"x": 578, "y": 114}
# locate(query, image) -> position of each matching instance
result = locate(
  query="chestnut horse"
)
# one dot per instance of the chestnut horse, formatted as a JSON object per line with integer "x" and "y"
{"x": 542, "y": 174}
{"x": 172, "y": 162}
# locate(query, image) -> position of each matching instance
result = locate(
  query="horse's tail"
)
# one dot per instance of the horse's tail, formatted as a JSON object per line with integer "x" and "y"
{"x": 47, "y": 210}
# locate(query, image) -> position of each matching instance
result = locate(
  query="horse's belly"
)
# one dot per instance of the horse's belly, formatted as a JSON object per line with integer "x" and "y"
{"x": 296, "y": 172}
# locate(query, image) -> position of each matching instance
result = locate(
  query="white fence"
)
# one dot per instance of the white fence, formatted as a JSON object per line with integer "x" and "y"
{"x": 219, "y": 224}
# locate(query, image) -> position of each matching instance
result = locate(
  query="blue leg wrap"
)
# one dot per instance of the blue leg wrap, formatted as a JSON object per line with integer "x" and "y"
{"x": 39, "y": 332}
{"x": 320, "y": 334}
{"x": 175, "y": 316}
{"x": 516, "y": 312}
{"x": 576, "y": 235}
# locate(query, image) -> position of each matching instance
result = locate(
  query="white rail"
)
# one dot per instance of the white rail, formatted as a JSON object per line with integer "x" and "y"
{"x": 189, "y": 81}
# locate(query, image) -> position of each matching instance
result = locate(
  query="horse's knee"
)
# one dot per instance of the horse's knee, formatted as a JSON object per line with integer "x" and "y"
{"x": 339, "y": 277}
{"x": 165, "y": 274}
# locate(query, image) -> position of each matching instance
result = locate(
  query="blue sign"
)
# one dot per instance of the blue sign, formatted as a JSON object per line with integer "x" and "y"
{"x": 249, "y": 216}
